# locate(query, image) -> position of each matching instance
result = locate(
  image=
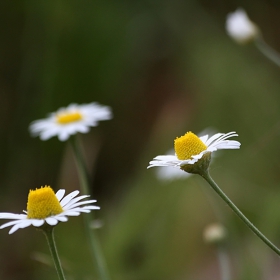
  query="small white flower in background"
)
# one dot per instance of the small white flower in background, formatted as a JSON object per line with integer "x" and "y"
{"x": 190, "y": 149}
{"x": 214, "y": 233}
{"x": 44, "y": 206}
{"x": 240, "y": 27}
{"x": 70, "y": 120}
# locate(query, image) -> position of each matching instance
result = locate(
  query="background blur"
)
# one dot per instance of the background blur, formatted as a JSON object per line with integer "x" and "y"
{"x": 164, "y": 67}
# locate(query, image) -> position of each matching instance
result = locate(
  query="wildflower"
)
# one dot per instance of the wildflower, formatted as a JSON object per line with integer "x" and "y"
{"x": 193, "y": 153}
{"x": 169, "y": 174}
{"x": 214, "y": 233}
{"x": 240, "y": 27}
{"x": 44, "y": 206}
{"x": 70, "y": 120}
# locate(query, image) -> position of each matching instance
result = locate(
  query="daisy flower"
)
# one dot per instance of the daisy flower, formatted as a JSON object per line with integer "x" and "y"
{"x": 240, "y": 28}
{"x": 191, "y": 149}
{"x": 169, "y": 174}
{"x": 68, "y": 121}
{"x": 44, "y": 206}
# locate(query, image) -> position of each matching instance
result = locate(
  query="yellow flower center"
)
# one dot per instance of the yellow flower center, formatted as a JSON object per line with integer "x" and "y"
{"x": 42, "y": 203}
{"x": 65, "y": 118}
{"x": 188, "y": 145}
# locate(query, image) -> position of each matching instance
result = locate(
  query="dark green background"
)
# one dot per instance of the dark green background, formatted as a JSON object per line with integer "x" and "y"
{"x": 164, "y": 67}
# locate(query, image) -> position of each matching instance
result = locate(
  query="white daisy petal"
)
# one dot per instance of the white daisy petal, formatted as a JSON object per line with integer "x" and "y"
{"x": 91, "y": 207}
{"x": 8, "y": 224}
{"x": 13, "y": 229}
{"x": 21, "y": 224}
{"x": 82, "y": 210}
{"x": 223, "y": 137}
{"x": 212, "y": 149}
{"x": 71, "y": 206}
{"x": 60, "y": 194}
{"x": 47, "y": 134}
{"x": 37, "y": 222}
{"x": 158, "y": 162}
{"x": 62, "y": 218}
{"x": 204, "y": 138}
{"x": 12, "y": 216}
{"x": 72, "y": 213}
{"x": 63, "y": 135}
{"x": 68, "y": 197}
{"x": 82, "y": 129}
{"x": 212, "y": 138}
{"x": 74, "y": 200}
{"x": 167, "y": 158}
{"x": 25, "y": 223}
{"x": 51, "y": 221}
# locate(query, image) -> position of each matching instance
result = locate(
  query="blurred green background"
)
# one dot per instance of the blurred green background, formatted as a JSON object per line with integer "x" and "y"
{"x": 164, "y": 67}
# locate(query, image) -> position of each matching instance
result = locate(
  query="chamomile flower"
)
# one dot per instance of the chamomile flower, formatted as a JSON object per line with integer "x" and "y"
{"x": 170, "y": 174}
{"x": 240, "y": 28}
{"x": 193, "y": 153}
{"x": 70, "y": 120}
{"x": 44, "y": 206}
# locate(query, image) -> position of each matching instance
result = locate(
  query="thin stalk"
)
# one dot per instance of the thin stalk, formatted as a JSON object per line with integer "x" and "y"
{"x": 207, "y": 177}
{"x": 95, "y": 247}
{"x": 267, "y": 51}
{"x": 48, "y": 231}
{"x": 223, "y": 263}
{"x": 81, "y": 165}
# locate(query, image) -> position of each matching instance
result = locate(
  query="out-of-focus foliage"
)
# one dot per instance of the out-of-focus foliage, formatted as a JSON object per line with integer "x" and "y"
{"x": 165, "y": 67}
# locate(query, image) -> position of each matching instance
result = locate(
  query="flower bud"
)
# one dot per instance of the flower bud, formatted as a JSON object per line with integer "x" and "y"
{"x": 240, "y": 28}
{"x": 214, "y": 233}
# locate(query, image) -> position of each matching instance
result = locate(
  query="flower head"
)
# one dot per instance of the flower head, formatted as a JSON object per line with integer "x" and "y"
{"x": 214, "y": 233}
{"x": 44, "y": 206}
{"x": 70, "y": 120}
{"x": 193, "y": 153}
{"x": 240, "y": 27}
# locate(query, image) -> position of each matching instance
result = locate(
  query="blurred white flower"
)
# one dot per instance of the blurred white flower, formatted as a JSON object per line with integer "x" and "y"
{"x": 70, "y": 120}
{"x": 214, "y": 233}
{"x": 240, "y": 27}
{"x": 44, "y": 206}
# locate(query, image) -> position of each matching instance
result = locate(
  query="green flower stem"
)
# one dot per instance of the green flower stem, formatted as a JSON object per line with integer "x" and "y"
{"x": 48, "y": 231}
{"x": 267, "y": 51}
{"x": 223, "y": 264}
{"x": 95, "y": 247}
{"x": 207, "y": 177}
{"x": 81, "y": 165}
